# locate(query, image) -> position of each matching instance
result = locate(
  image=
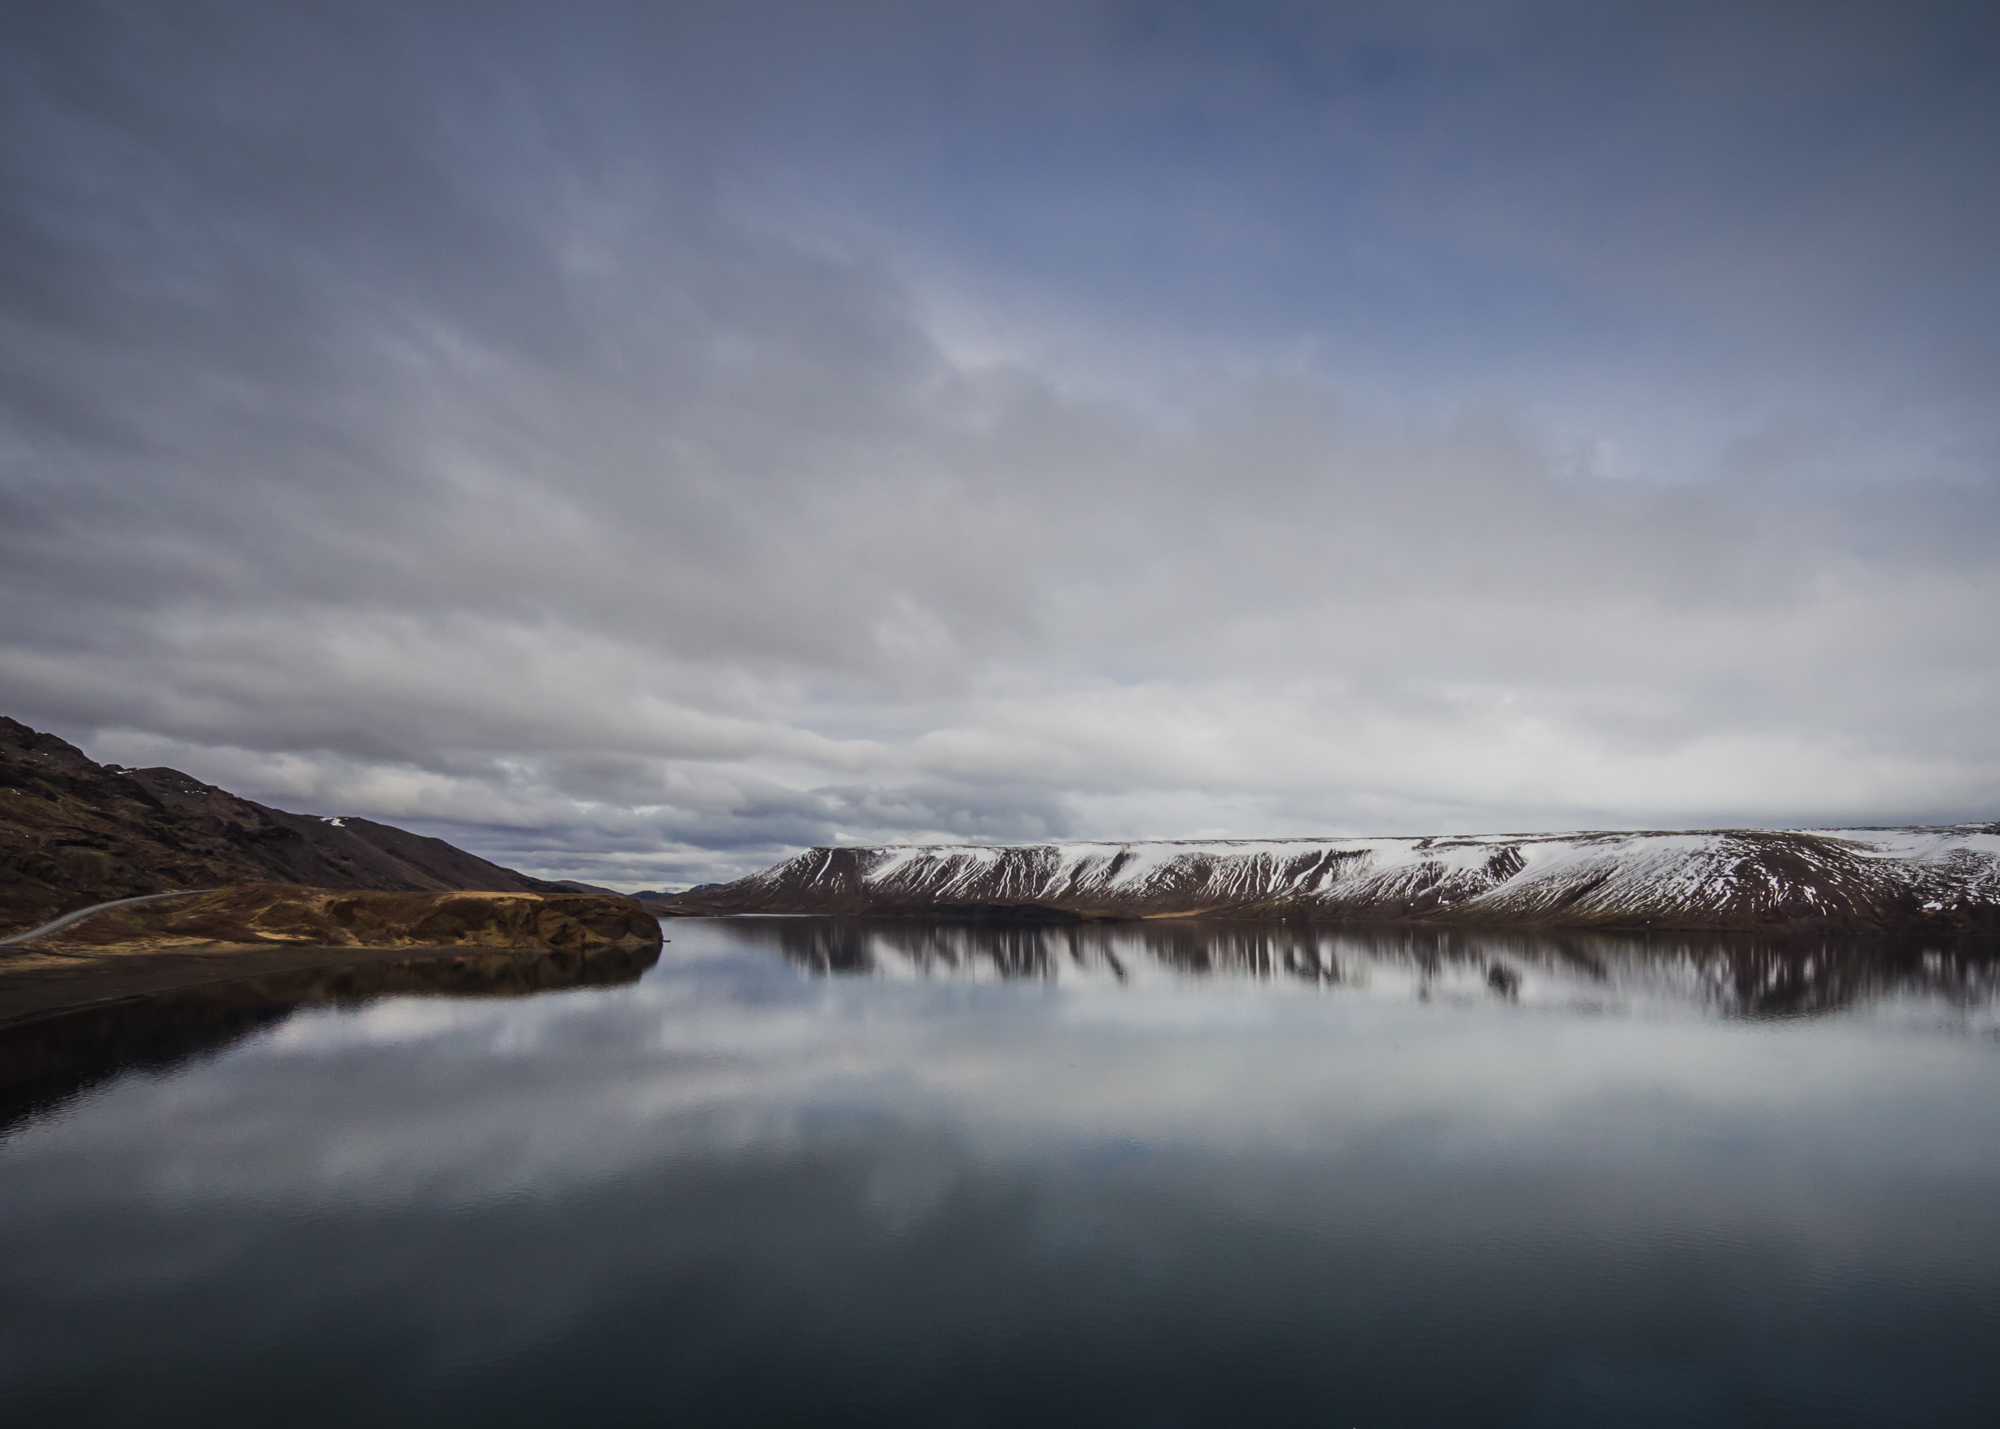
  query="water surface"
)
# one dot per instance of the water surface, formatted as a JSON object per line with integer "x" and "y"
{"x": 817, "y": 1171}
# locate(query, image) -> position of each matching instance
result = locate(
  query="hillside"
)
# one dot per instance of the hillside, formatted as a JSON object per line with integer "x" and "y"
{"x": 1942, "y": 880}
{"x": 267, "y": 914}
{"x": 264, "y": 930}
{"x": 75, "y": 832}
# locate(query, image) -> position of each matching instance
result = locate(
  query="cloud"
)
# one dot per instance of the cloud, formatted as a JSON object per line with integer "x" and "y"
{"x": 493, "y": 432}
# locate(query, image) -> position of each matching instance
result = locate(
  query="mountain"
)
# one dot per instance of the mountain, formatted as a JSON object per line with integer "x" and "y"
{"x": 74, "y": 832}
{"x": 1941, "y": 880}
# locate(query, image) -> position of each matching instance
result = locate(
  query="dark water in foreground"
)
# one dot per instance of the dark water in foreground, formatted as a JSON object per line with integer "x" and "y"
{"x": 812, "y": 1172}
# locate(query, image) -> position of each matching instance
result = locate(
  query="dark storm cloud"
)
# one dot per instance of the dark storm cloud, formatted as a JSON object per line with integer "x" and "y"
{"x": 638, "y": 441}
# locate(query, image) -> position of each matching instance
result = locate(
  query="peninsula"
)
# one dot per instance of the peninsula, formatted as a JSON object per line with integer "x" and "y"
{"x": 199, "y": 886}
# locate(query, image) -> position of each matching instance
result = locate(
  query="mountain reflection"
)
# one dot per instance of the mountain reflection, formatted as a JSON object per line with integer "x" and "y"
{"x": 1726, "y": 975}
{"x": 46, "y": 1063}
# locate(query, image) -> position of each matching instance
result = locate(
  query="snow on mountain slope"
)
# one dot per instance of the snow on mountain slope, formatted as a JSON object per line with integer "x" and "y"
{"x": 1934, "y": 879}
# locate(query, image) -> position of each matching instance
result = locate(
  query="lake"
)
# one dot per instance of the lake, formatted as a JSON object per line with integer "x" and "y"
{"x": 834, "y": 1172}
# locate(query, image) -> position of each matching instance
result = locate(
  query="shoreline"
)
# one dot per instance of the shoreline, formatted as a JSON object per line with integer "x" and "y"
{"x": 85, "y": 983}
{"x": 38, "y": 984}
{"x": 131, "y": 949}
{"x": 1005, "y": 916}
{"x": 64, "y": 1030}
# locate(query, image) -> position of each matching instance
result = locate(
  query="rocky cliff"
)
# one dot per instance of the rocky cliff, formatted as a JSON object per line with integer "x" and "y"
{"x": 1942, "y": 880}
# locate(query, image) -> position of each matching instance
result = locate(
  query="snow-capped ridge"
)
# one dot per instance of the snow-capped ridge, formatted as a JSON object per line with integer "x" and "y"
{"x": 1940, "y": 879}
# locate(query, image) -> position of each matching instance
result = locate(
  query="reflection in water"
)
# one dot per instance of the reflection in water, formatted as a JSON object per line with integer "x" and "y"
{"x": 1730, "y": 975}
{"x": 48, "y": 1062}
{"x": 1117, "y": 1175}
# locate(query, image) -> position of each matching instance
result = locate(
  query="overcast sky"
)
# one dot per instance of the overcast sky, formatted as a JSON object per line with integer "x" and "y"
{"x": 635, "y": 442}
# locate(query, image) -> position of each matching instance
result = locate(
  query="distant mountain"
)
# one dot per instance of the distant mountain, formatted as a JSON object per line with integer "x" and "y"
{"x": 661, "y": 901}
{"x": 74, "y": 832}
{"x": 570, "y": 885}
{"x": 1942, "y": 880}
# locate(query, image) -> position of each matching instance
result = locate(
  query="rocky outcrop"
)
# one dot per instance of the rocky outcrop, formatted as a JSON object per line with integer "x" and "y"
{"x": 75, "y": 832}
{"x": 1933, "y": 880}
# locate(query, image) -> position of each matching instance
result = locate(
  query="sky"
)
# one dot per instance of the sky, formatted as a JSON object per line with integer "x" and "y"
{"x": 636, "y": 442}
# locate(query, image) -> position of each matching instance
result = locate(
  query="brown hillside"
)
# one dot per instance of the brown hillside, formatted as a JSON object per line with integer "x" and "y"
{"x": 527, "y": 940}
{"x": 74, "y": 832}
{"x": 255, "y": 914}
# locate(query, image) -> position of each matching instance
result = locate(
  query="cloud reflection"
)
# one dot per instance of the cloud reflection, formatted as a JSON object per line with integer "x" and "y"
{"x": 746, "y": 1185}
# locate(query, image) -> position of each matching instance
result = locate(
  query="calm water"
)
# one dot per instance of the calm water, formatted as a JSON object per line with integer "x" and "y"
{"x": 805, "y": 1171}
